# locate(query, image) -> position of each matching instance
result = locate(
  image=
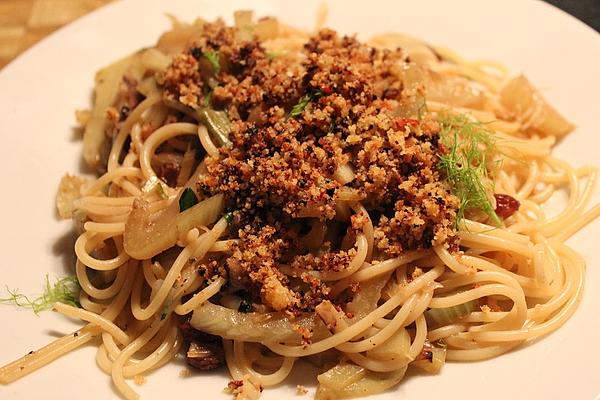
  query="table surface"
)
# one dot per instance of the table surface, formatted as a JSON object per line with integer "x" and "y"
{"x": 24, "y": 22}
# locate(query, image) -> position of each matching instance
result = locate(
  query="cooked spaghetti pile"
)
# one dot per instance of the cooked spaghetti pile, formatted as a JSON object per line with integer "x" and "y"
{"x": 266, "y": 196}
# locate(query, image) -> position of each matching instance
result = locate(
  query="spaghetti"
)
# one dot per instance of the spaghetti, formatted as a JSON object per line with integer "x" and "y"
{"x": 366, "y": 207}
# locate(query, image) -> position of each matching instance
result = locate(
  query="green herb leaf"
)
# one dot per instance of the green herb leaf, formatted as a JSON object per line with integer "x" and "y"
{"x": 228, "y": 217}
{"x": 188, "y": 199}
{"x": 300, "y": 106}
{"x": 468, "y": 163}
{"x": 213, "y": 59}
{"x": 312, "y": 95}
{"x": 208, "y": 98}
{"x": 64, "y": 290}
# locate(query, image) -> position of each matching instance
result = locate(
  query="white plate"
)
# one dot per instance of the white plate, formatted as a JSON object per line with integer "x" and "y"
{"x": 40, "y": 90}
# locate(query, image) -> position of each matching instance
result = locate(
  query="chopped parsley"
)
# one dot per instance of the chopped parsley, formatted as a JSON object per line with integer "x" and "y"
{"x": 188, "y": 199}
{"x": 312, "y": 95}
{"x": 208, "y": 98}
{"x": 468, "y": 162}
{"x": 64, "y": 290}
{"x": 211, "y": 56}
{"x": 228, "y": 217}
{"x": 213, "y": 59}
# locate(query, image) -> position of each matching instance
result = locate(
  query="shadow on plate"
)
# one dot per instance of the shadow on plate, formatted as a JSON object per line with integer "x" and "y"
{"x": 63, "y": 249}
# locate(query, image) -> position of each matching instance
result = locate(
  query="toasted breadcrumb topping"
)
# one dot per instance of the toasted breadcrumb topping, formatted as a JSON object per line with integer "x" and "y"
{"x": 294, "y": 122}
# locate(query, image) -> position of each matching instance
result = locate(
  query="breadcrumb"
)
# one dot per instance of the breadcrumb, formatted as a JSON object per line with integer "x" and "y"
{"x": 294, "y": 122}
{"x": 244, "y": 389}
{"x": 301, "y": 390}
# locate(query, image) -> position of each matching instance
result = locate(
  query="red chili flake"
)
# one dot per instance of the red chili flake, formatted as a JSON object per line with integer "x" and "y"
{"x": 506, "y": 205}
{"x": 442, "y": 149}
{"x": 400, "y": 123}
{"x": 235, "y": 384}
{"x": 327, "y": 90}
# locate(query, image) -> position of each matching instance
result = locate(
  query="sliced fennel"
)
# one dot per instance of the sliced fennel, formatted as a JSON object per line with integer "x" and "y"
{"x": 345, "y": 381}
{"x": 433, "y": 366}
{"x": 218, "y": 125}
{"x": 396, "y": 348}
{"x": 147, "y": 234}
{"x": 443, "y": 316}
{"x": 255, "y": 327}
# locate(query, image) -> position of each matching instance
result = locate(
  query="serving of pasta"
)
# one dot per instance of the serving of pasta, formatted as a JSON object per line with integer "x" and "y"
{"x": 268, "y": 196}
